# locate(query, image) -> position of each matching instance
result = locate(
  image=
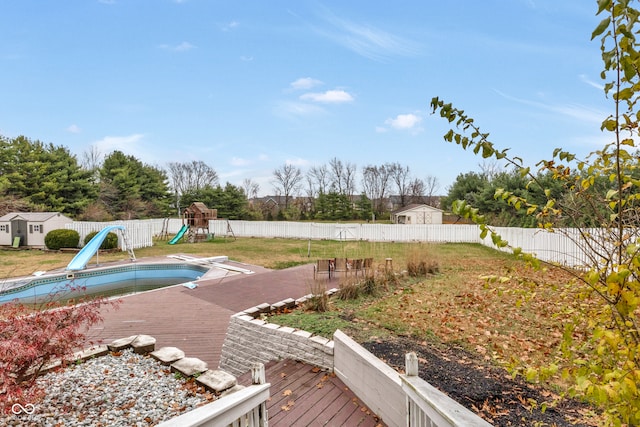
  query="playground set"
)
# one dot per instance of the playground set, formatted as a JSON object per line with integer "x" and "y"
{"x": 195, "y": 223}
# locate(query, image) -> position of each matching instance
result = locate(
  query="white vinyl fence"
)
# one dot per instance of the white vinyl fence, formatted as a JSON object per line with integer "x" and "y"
{"x": 139, "y": 232}
{"x": 548, "y": 246}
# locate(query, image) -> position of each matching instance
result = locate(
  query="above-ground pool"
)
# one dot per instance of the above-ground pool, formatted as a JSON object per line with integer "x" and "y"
{"x": 104, "y": 281}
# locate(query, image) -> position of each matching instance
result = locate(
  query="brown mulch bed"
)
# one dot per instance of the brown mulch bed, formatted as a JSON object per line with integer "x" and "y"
{"x": 486, "y": 390}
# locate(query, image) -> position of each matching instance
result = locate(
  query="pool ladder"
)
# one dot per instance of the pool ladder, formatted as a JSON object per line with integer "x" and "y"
{"x": 125, "y": 240}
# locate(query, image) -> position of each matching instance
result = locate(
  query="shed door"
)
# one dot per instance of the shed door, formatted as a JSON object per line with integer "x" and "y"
{"x": 19, "y": 229}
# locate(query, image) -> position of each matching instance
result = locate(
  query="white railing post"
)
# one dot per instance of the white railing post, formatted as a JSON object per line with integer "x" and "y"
{"x": 258, "y": 375}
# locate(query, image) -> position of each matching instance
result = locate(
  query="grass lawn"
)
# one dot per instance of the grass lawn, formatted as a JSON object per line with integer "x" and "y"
{"x": 474, "y": 301}
{"x": 270, "y": 253}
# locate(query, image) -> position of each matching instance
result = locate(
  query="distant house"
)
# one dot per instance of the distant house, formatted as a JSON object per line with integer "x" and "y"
{"x": 417, "y": 214}
{"x": 29, "y": 228}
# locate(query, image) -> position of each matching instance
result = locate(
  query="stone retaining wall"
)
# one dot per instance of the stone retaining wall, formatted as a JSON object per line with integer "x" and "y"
{"x": 252, "y": 340}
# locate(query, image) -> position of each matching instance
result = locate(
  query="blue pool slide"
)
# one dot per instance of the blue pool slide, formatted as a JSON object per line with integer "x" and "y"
{"x": 178, "y": 236}
{"x": 79, "y": 262}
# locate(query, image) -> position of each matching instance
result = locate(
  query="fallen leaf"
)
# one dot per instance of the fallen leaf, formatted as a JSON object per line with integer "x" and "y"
{"x": 287, "y": 393}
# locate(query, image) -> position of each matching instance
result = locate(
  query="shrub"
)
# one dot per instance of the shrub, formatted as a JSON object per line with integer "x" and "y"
{"x": 349, "y": 289}
{"x": 31, "y": 338}
{"x": 61, "y": 238}
{"x": 371, "y": 286}
{"x": 109, "y": 242}
{"x": 319, "y": 300}
{"x": 420, "y": 263}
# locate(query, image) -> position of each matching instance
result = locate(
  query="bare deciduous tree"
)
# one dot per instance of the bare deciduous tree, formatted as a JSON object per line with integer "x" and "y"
{"x": 191, "y": 176}
{"x": 349, "y": 176}
{"x": 318, "y": 179}
{"x": 431, "y": 187}
{"x": 92, "y": 161}
{"x": 375, "y": 183}
{"x": 286, "y": 181}
{"x": 343, "y": 176}
{"x": 416, "y": 191}
{"x": 251, "y": 188}
{"x": 400, "y": 176}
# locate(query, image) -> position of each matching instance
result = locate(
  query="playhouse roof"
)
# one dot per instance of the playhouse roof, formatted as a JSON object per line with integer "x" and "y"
{"x": 200, "y": 206}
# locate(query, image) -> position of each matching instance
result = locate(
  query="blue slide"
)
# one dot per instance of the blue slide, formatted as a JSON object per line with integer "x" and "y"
{"x": 179, "y": 235}
{"x": 79, "y": 262}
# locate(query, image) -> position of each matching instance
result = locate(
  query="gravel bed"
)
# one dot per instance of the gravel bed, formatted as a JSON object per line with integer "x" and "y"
{"x": 125, "y": 390}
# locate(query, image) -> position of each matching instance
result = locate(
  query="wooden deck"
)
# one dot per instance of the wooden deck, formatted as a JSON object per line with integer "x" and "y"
{"x": 196, "y": 320}
{"x": 302, "y": 395}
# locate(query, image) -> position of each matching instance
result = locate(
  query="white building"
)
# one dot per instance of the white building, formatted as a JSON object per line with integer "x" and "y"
{"x": 417, "y": 214}
{"x": 29, "y": 228}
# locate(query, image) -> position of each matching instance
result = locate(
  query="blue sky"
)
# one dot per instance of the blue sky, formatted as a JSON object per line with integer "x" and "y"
{"x": 249, "y": 86}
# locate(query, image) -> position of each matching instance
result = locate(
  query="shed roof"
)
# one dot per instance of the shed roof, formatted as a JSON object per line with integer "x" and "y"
{"x": 415, "y": 206}
{"x": 30, "y": 216}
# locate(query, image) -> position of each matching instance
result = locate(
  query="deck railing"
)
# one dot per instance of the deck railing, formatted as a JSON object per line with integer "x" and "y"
{"x": 429, "y": 407}
{"x": 399, "y": 400}
{"x": 246, "y": 407}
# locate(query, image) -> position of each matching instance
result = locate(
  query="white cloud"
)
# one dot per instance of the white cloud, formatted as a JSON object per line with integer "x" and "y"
{"x": 305, "y": 83}
{"x": 381, "y": 129}
{"x": 404, "y": 121}
{"x": 296, "y": 109}
{"x": 238, "y": 161}
{"x": 182, "y": 47}
{"x": 126, "y": 144}
{"x": 241, "y": 162}
{"x": 576, "y": 111}
{"x": 366, "y": 40}
{"x": 74, "y": 129}
{"x": 298, "y": 162}
{"x": 229, "y": 26}
{"x": 330, "y": 96}
{"x": 590, "y": 82}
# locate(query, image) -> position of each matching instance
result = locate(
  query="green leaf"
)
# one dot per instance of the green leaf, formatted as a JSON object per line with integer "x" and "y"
{"x": 602, "y": 5}
{"x": 601, "y": 27}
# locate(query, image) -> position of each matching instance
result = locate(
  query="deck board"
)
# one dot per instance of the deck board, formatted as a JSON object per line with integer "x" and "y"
{"x": 196, "y": 321}
{"x": 332, "y": 404}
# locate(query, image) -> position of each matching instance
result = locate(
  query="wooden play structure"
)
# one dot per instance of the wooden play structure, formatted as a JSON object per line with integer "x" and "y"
{"x": 197, "y": 217}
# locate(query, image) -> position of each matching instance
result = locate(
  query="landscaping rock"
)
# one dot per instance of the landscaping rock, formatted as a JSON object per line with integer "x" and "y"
{"x": 217, "y": 380}
{"x": 189, "y": 366}
{"x": 168, "y": 355}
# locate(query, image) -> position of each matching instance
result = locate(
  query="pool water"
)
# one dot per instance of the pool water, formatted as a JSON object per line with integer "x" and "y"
{"x": 103, "y": 281}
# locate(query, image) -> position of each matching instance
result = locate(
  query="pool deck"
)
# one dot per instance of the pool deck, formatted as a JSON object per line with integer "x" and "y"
{"x": 196, "y": 320}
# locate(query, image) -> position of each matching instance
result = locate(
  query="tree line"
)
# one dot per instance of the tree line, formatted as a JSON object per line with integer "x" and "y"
{"x": 37, "y": 176}
{"x": 44, "y": 177}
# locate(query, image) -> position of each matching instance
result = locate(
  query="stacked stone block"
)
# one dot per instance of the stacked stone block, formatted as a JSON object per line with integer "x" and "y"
{"x": 252, "y": 340}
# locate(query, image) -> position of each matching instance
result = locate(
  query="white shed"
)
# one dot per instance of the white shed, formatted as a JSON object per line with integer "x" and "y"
{"x": 29, "y": 228}
{"x": 417, "y": 214}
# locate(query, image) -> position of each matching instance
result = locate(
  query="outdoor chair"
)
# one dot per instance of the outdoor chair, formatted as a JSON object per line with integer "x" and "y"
{"x": 357, "y": 266}
{"x": 323, "y": 266}
{"x": 341, "y": 265}
{"x": 367, "y": 265}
